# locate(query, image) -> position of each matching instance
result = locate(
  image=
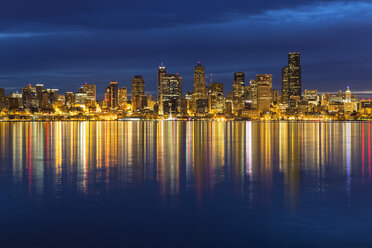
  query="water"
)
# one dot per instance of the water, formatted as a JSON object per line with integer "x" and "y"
{"x": 185, "y": 184}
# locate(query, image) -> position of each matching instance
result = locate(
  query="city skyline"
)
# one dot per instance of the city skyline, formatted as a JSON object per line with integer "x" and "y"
{"x": 250, "y": 99}
{"x": 229, "y": 86}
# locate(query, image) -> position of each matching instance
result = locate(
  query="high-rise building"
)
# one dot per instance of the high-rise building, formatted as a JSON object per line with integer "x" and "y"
{"x": 39, "y": 93}
{"x": 199, "y": 82}
{"x": 91, "y": 91}
{"x": 170, "y": 93}
{"x": 238, "y": 91}
{"x": 81, "y": 98}
{"x": 138, "y": 90}
{"x": 294, "y": 74}
{"x": 53, "y": 96}
{"x": 69, "y": 99}
{"x": 263, "y": 97}
{"x": 253, "y": 85}
{"x": 348, "y": 95}
{"x": 216, "y": 99}
{"x": 44, "y": 104}
{"x": 122, "y": 97}
{"x": 264, "y": 91}
{"x": 161, "y": 71}
{"x": 111, "y": 95}
{"x": 29, "y": 99}
{"x": 285, "y": 85}
{"x": 2, "y": 98}
{"x": 265, "y": 79}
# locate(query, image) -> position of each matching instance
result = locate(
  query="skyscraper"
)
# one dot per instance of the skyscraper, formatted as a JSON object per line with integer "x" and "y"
{"x": 29, "y": 98}
{"x": 238, "y": 91}
{"x": 39, "y": 94}
{"x": 263, "y": 97}
{"x": 285, "y": 85}
{"x": 112, "y": 95}
{"x": 2, "y": 98}
{"x": 199, "y": 82}
{"x": 90, "y": 90}
{"x": 122, "y": 97}
{"x": 216, "y": 100}
{"x": 170, "y": 93}
{"x": 253, "y": 84}
{"x": 294, "y": 74}
{"x": 69, "y": 99}
{"x": 264, "y": 91}
{"x": 161, "y": 70}
{"x": 138, "y": 91}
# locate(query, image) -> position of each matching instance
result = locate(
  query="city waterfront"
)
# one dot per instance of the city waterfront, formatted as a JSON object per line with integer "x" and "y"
{"x": 185, "y": 184}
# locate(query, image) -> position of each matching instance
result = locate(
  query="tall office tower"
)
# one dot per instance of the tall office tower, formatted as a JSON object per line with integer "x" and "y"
{"x": 199, "y": 82}
{"x": 161, "y": 71}
{"x": 69, "y": 99}
{"x": 285, "y": 85}
{"x": 294, "y": 75}
{"x": 53, "y": 96}
{"x": 253, "y": 84}
{"x": 264, "y": 91}
{"x": 170, "y": 93}
{"x": 122, "y": 97}
{"x": 44, "y": 103}
{"x": 39, "y": 93}
{"x": 263, "y": 97}
{"x": 348, "y": 95}
{"x": 81, "y": 98}
{"x": 238, "y": 91}
{"x": 29, "y": 99}
{"x": 111, "y": 95}
{"x": 216, "y": 100}
{"x": 265, "y": 79}
{"x": 2, "y": 98}
{"x": 91, "y": 91}
{"x": 138, "y": 90}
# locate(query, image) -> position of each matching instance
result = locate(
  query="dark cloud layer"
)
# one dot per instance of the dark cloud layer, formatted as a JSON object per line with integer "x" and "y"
{"x": 66, "y": 43}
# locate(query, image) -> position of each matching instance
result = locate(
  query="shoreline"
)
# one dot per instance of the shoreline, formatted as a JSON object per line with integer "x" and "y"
{"x": 192, "y": 120}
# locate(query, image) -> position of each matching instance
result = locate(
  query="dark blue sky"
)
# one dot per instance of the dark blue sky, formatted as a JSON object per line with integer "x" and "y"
{"x": 65, "y": 43}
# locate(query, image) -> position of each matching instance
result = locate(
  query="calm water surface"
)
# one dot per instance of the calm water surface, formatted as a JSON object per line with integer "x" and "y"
{"x": 185, "y": 184}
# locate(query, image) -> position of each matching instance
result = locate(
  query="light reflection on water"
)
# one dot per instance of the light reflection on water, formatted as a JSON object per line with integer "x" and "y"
{"x": 268, "y": 165}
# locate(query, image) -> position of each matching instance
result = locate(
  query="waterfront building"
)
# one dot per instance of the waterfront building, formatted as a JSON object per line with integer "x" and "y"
{"x": 216, "y": 100}
{"x": 285, "y": 85}
{"x": 122, "y": 97}
{"x": 2, "y": 99}
{"x": 138, "y": 91}
{"x": 29, "y": 99}
{"x": 263, "y": 97}
{"x": 264, "y": 91}
{"x": 111, "y": 95}
{"x": 238, "y": 91}
{"x": 81, "y": 99}
{"x": 161, "y": 71}
{"x": 312, "y": 96}
{"x": 253, "y": 85}
{"x": 90, "y": 91}
{"x": 170, "y": 93}
{"x": 199, "y": 90}
{"x": 294, "y": 74}
{"x": 69, "y": 99}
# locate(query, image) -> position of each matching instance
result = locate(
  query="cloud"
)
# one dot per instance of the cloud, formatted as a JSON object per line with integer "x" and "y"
{"x": 76, "y": 41}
